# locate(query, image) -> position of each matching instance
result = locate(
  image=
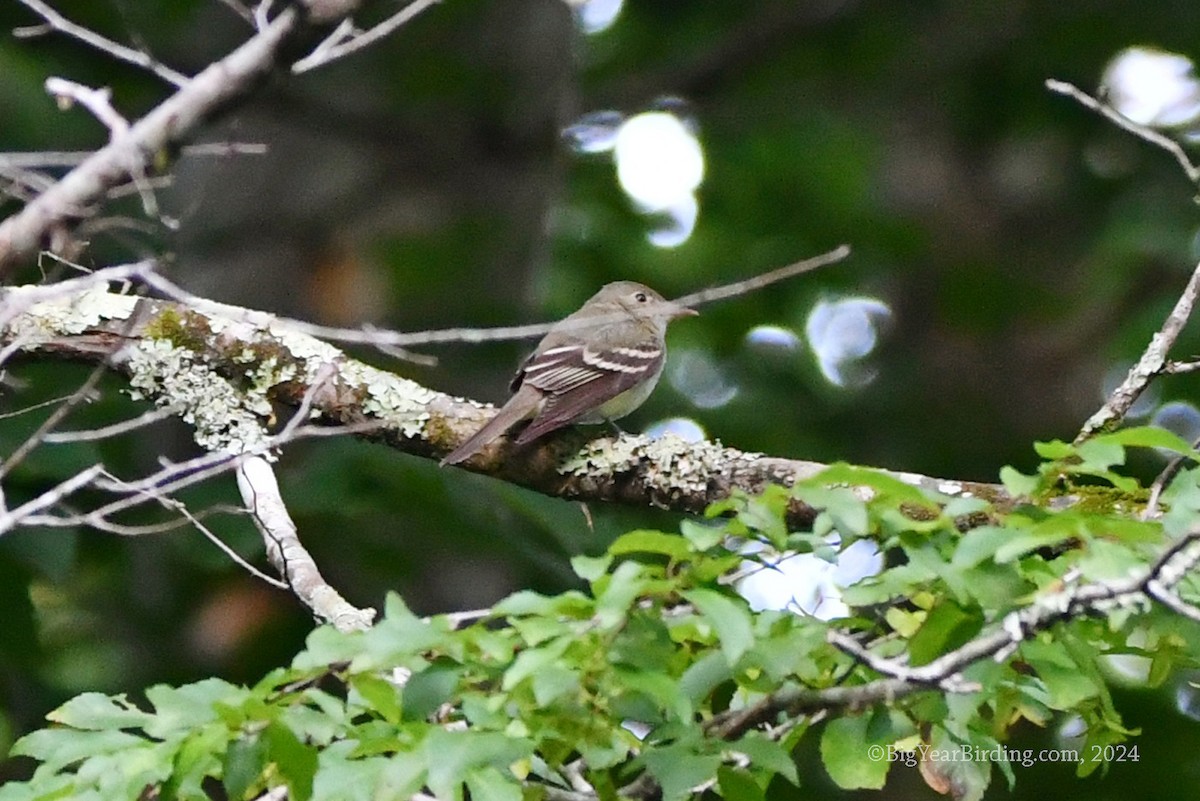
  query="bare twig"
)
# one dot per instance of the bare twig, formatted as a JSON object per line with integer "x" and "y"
{"x": 1143, "y": 132}
{"x": 1180, "y": 368}
{"x": 97, "y": 101}
{"x": 83, "y": 393}
{"x": 379, "y": 338}
{"x": 44, "y": 159}
{"x": 48, "y": 498}
{"x": 164, "y": 128}
{"x": 1151, "y": 363}
{"x": 737, "y": 288}
{"x": 1164, "y": 478}
{"x": 115, "y": 429}
{"x": 333, "y": 49}
{"x": 118, "y": 51}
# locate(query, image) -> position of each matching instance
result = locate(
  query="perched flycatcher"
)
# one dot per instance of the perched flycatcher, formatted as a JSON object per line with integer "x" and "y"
{"x": 597, "y": 365}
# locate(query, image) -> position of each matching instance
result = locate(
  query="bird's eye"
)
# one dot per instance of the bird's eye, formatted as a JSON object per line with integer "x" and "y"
{"x": 641, "y": 297}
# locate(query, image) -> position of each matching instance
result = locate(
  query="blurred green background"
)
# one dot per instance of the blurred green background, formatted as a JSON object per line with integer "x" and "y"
{"x": 1022, "y": 247}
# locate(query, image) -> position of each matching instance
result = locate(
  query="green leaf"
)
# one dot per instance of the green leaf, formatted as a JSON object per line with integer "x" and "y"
{"x": 428, "y": 689}
{"x": 244, "y": 762}
{"x": 347, "y": 776}
{"x": 553, "y": 682}
{"x": 848, "y": 756}
{"x": 56, "y": 748}
{"x": 380, "y": 695}
{"x": 846, "y": 513}
{"x": 738, "y": 785}
{"x": 963, "y": 779}
{"x": 1017, "y": 483}
{"x": 764, "y": 514}
{"x": 884, "y": 484}
{"x": 616, "y": 593}
{"x": 703, "y": 676}
{"x": 1022, "y": 542}
{"x": 296, "y": 761}
{"x": 904, "y": 622}
{"x": 678, "y": 769}
{"x": 978, "y": 545}
{"x": 96, "y": 711}
{"x": 1104, "y": 561}
{"x": 1067, "y": 684}
{"x": 590, "y": 568}
{"x": 962, "y": 506}
{"x": 490, "y": 784}
{"x": 946, "y": 627}
{"x": 531, "y": 660}
{"x": 525, "y": 602}
{"x": 729, "y": 618}
{"x": 1151, "y": 437}
{"x": 657, "y": 686}
{"x": 656, "y": 542}
{"x": 702, "y": 537}
{"x": 1054, "y": 450}
{"x": 197, "y": 758}
{"x": 1099, "y": 454}
{"x": 768, "y": 755}
{"x": 453, "y": 755}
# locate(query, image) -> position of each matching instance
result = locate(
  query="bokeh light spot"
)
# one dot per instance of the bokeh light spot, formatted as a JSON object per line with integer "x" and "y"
{"x": 659, "y": 160}
{"x": 594, "y": 132}
{"x": 705, "y": 382}
{"x": 1153, "y": 87}
{"x": 1178, "y": 417}
{"x": 807, "y": 584}
{"x": 685, "y": 428}
{"x": 772, "y": 338}
{"x": 842, "y": 333}
{"x": 594, "y": 16}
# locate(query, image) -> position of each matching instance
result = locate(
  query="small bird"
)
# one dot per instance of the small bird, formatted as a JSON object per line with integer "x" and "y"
{"x": 594, "y": 366}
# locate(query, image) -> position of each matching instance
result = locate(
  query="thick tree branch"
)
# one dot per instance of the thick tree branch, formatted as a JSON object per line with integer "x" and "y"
{"x": 140, "y": 149}
{"x": 190, "y": 359}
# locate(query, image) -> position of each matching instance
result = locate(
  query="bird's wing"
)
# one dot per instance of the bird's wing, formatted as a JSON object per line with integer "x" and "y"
{"x": 577, "y": 378}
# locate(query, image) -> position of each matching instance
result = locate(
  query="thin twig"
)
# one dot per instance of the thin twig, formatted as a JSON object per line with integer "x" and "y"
{"x": 1143, "y": 132}
{"x": 118, "y": 51}
{"x": 766, "y": 279}
{"x": 370, "y": 336}
{"x": 84, "y": 393}
{"x": 1180, "y": 368}
{"x": 326, "y": 53}
{"x": 115, "y": 429}
{"x": 48, "y": 498}
{"x": 1157, "y": 582}
{"x": 167, "y": 126}
{"x": 178, "y": 506}
{"x": 97, "y": 101}
{"x": 1163, "y": 479}
{"x": 1151, "y": 363}
{"x": 71, "y": 158}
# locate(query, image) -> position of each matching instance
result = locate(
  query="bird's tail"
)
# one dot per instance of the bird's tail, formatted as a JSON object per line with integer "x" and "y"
{"x": 521, "y": 406}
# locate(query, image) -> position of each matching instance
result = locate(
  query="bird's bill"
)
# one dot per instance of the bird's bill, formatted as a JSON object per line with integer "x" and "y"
{"x": 673, "y": 310}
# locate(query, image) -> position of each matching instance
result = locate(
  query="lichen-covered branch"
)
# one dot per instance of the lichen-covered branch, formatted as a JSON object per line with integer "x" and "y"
{"x": 220, "y": 368}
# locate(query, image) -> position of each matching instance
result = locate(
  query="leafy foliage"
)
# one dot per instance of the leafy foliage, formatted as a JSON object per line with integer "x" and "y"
{"x": 662, "y": 676}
